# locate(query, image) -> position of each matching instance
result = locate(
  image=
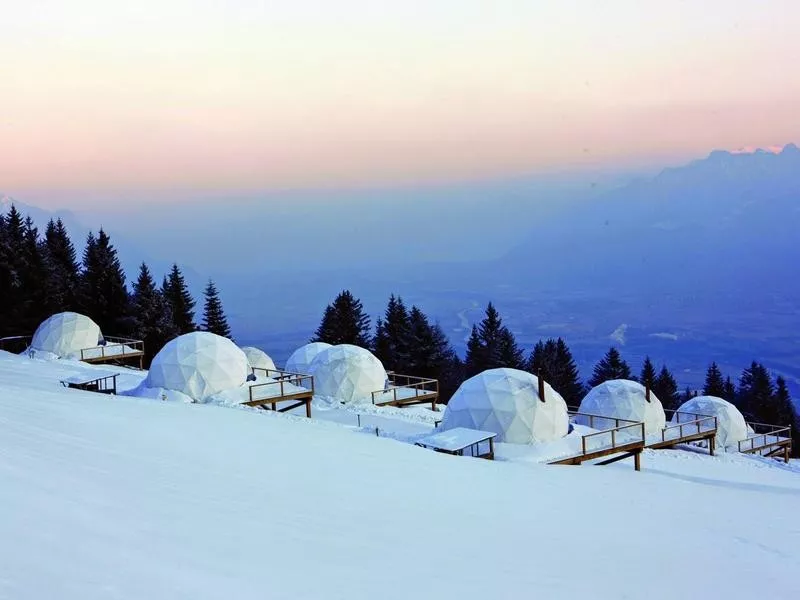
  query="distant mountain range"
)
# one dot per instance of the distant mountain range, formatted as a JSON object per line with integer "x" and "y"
{"x": 694, "y": 264}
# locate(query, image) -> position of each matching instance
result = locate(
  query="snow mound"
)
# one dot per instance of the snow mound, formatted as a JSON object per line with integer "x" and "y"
{"x": 66, "y": 334}
{"x": 199, "y": 365}
{"x": 347, "y": 373}
{"x": 624, "y": 399}
{"x": 506, "y": 401}
{"x": 300, "y": 360}
{"x": 258, "y": 358}
{"x": 731, "y": 426}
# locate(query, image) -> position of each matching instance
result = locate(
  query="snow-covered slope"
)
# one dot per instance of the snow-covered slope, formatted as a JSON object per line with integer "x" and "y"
{"x": 117, "y": 497}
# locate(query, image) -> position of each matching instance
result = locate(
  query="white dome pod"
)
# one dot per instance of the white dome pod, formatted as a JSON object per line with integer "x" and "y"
{"x": 300, "y": 360}
{"x": 623, "y": 399}
{"x": 258, "y": 358}
{"x": 198, "y": 364}
{"x": 731, "y": 426}
{"x": 506, "y": 401}
{"x": 66, "y": 334}
{"x": 347, "y": 373}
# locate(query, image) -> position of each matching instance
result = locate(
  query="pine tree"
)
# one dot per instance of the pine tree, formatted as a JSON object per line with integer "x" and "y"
{"x": 552, "y": 360}
{"x": 214, "y": 320}
{"x": 180, "y": 301}
{"x": 13, "y": 267}
{"x": 666, "y": 389}
{"x": 104, "y": 295}
{"x": 344, "y": 322}
{"x": 36, "y": 305}
{"x": 785, "y": 413}
{"x": 647, "y": 377}
{"x": 64, "y": 276}
{"x": 7, "y": 280}
{"x": 392, "y": 335}
{"x": 492, "y": 345}
{"x": 152, "y": 317}
{"x": 715, "y": 384}
{"x": 431, "y": 355}
{"x": 476, "y": 355}
{"x": 755, "y": 391}
{"x": 729, "y": 392}
{"x": 611, "y": 366}
{"x": 510, "y": 355}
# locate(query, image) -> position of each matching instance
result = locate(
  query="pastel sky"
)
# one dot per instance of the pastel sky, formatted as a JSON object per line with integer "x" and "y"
{"x": 214, "y": 95}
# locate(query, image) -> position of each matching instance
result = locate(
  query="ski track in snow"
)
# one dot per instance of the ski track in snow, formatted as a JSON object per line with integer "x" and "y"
{"x": 119, "y": 497}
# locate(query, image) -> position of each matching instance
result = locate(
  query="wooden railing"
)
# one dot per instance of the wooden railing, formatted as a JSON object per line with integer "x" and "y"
{"x": 282, "y": 379}
{"x": 688, "y": 424}
{"x": 115, "y": 347}
{"x": 423, "y": 388}
{"x": 631, "y": 437}
{"x": 767, "y": 437}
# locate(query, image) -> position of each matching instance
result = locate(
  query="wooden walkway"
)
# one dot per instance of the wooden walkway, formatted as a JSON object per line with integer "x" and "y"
{"x": 768, "y": 440}
{"x": 407, "y": 390}
{"x": 294, "y": 388}
{"x": 116, "y": 350}
{"x": 625, "y": 439}
{"x": 688, "y": 428}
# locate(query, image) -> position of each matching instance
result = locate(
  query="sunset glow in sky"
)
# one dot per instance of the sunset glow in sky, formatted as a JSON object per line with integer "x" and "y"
{"x": 252, "y": 95}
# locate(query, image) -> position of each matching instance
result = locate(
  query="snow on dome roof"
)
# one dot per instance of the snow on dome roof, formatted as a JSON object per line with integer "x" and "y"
{"x": 66, "y": 334}
{"x": 624, "y": 399}
{"x": 300, "y": 360}
{"x": 347, "y": 373}
{"x": 506, "y": 401}
{"x": 731, "y": 426}
{"x": 198, "y": 364}
{"x": 258, "y": 358}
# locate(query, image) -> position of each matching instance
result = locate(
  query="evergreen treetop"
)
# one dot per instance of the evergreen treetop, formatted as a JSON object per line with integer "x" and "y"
{"x": 344, "y": 322}
{"x": 714, "y": 384}
{"x": 179, "y": 300}
{"x": 611, "y": 366}
{"x": 214, "y": 320}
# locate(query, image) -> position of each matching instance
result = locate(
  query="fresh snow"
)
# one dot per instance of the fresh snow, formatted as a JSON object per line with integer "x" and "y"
{"x": 122, "y": 497}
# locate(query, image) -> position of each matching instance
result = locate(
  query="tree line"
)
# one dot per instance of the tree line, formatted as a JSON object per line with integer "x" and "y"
{"x": 40, "y": 275}
{"x": 407, "y": 341}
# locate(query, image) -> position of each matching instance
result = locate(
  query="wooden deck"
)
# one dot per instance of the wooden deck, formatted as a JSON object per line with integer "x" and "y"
{"x": 461, "y": 442}
{"x": 768, "y": 440}
{"x": 690, "y": 427}
{"x": 293, "y": 388}
{"x": 102, "y": 383}
{"x": 407, "y": 390}
{"x": 625, "y": 439}
{"x": 116, "y": 350}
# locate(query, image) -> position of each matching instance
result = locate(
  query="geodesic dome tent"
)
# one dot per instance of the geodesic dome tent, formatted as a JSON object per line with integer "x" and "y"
{"x": 66, "y": 334}
{"x": 731, "y": 426}
{"x": 506, "y": 401}
{"x": 300, "y": 360}
{"x": 624, "y": 399}
{"x": 198, "y": 364}
{"x": 347, "y": 373}
{"x": 258, "y": 358}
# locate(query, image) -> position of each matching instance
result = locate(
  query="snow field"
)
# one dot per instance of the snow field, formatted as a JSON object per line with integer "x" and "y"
{"x": 119, "y": 497}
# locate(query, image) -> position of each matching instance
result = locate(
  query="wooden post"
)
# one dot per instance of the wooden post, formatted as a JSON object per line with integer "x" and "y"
{"x": 647, "y": 395}
{"x": 637, "y": 463}
{"x": 308, "y": 408}
{"x": 541, "y": 385}
{"x": 491, "y": 448}
{"x": 712, "y": 442}
{"x": 786, "y": 454}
